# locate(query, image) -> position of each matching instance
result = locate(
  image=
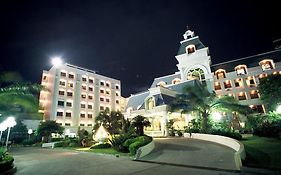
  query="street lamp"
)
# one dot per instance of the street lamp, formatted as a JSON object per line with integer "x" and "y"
{"x": 278, "y": 109}
{"x": 56, "y": 61}
{"x": 9, "y": 122}
{"x": 29, "y": 133}
{"x": 3, "y": 127}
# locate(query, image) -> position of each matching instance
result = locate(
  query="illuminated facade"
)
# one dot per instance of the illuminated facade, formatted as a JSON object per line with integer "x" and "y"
{"x": 238, "y": 78}
{"x": 76, "y": 95}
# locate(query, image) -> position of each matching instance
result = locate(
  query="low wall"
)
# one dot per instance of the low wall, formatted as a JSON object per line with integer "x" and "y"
{"x": 226, "y": 141}
{"x": 144, "y": 150}
{"x": 49, "y": 145}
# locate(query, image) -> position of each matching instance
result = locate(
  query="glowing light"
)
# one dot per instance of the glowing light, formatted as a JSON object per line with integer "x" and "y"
{"x": 101, "y": 134}
{"x": 56, "y": 61}
{"x": 216, "y": 116}
{"x": 29, "y": 131}
{"x": 278, "y": 110}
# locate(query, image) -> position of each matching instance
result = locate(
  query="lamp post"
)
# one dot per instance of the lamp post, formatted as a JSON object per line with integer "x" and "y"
{"x": 56, "y": 61}
{"x": 3, "y": 127}
{"x": 10, "y": 122}
{"x": 29, "y": 133}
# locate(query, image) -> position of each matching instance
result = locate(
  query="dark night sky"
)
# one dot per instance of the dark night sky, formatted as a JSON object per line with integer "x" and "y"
{"x": 133, "y": 41}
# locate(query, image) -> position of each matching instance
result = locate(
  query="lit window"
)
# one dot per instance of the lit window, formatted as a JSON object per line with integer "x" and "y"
{"x": 254, "y": 94}
{"x": 83, "y": 96}
{"x": 220, "y": 73}
{"x": 217, "y": 86}
{"x": 266, "y": 64}
{"x": 107, "y": 92}
{"x": 70, "y": 84}
{"x": 227, "y": 84}
{"x": 238, "y": 82}
{"x": 196, "y": 73}
{"x": 261, "y": 76}
{"x": 150, "y": 103}
{"x": 190, "y": 49}
{"x": 251, "y": 81}
{"x": 241, "y": 69}
{"x": 242, "y": 96}
{"x": 258, "y": 108}
{"x": 176, "y": 81}
{"x": 90, "y": 97}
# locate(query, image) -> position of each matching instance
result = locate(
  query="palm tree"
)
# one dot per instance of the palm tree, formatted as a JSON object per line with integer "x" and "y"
{"x": 140, "y": 122}
{"x": 203, "y": 102}
{"x": 17, "y": 97}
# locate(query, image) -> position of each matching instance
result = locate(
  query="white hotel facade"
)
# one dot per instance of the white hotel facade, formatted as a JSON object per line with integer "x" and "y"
{"x": 75, "y": 95}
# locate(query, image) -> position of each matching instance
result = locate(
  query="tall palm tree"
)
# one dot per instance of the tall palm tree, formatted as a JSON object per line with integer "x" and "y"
{"x": 139, "y": 122}
{"x": 203, "y": 102}
{"x": 17, "y": 97}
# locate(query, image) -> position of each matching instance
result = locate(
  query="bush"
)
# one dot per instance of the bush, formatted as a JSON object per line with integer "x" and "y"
{"x": 227, "y": 133}
{"x": 101, "y": 146}
{"x": 29, "y": 142}
{"x": 138, "y": 142}
{"x": 118, "y": 141}
{"x": 6, "y": 161}
{"x": 56, "y": 139}
{"x": 73, "y": 142}
{"x": 179, "y": 133}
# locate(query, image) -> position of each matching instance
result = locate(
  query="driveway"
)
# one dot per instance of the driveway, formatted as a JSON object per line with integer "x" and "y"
{"x": 192, "y": 153}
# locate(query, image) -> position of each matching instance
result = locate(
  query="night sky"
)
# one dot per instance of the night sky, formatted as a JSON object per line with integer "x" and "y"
{"x": 134, "y": 41}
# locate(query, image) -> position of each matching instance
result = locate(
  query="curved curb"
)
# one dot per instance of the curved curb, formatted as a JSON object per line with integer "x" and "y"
{"x": 10, "y": 171}
{"x": 145, "y": 150}
{"x": 239, "y": 154}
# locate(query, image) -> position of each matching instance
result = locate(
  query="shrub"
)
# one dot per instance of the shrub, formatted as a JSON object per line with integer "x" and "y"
{"x": 6, "y": 161}
{"x": 138, "y": 142}
{"x": 56, "y": 139}
{"x": 68, "y": 142}
{"x": 29, "y": 142}
{"x": 101, "y": 146}
{"x": 179, "y": 133}
{"x": 118, "y": 141}
{"x": 227, "y": 133}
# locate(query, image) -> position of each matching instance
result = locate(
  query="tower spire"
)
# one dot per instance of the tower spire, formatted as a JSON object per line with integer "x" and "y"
{"x": 188, "y": 34}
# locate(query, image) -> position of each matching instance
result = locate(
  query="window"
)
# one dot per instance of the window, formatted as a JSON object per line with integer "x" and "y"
{"x": 150, "y": 103}
{"x": 107, "y": 108}
{"x": 107, "y": 100}
{"x": 101, "y": 91}
{"x": 91, "y": 81}
{"x": 59, "y": 124}
{"x": 62, "y": 83}
{"x": 67, "y": 124}
{"x": 117, "y": 94}
{"x": 117, "y": 86}
{"x": 61, "y": 92}
{"x": 101, "y": 108}
{"x": 227, "y": 84}
{"x": 101, "y": 99}
{"x": 257, "y": 108}
{"x": 196, "y": 73}
{"x": 68, "y": 104}
{"x": 241, "y": 69}
{"x": 90, "y": 115}
{"x": 261, "y": 76}
{"x": 83, "y": 105}
{"x": 90, "y": 106}
{"x": 242, "y": 96}
{"x": 84, "y": 79}
{"x": 220, "y": 74}
{"x": 217, "y": 86}
{"x": 90, "y": 124}
{"x": 102, "y": 83}
{"x": 190, "y": 49}
{"x": 82, "y": 124}
{"x": 60, "y": 103}
{"x": 70, "y": 84}
{"x": 69, "y": 94}
{"x": 71, "y": 76}
{"x": 117, "y": 101}
{"x": 161, "y": 84}
{"x": 107, "y": 84}
{"x": 254, "y": 94}
{"x": 176, "y": 81}
{"x": 238, "y": 82}
{"x": 251, "y": 81}
{"x": 63, "y": 74}
{"x": 82, "y": 115}
{"x": 107, "y": 92}
{"x": 91, "y": 89}
{"x": 45, "y": 77}
{"x": 68, "y": 114}
{"x": 84, "y": 87}
{"x": 266, "y": 64}
{"x": 59, "y": 113}
{"x": 90, "y": 97}
{"x": 83, "y": 96}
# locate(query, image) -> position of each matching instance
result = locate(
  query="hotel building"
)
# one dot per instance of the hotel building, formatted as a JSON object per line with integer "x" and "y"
{"x": 75, "y": 95}
{"x": 238, "y": 78}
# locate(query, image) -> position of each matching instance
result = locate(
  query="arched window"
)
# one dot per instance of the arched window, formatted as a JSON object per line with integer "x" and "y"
{"x": 266, "y": 64}
{"x": 150, "y": 103}
{"x": 190, "y": 49}
{"x": 241, "y": 69}
{"x": 176, "y": 81}
{"x": 196, "y": 73}
{"x": 161, "y": 83}
{"x": 220, "y": 73}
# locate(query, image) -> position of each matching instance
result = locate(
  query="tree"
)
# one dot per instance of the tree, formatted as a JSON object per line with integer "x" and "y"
{"x": 139, "y": 122}
{"x": 17, "y": 97}
{"x": 45, "y": 129}
{"x": 111, "y": 121}
{"x": 203, "y": 102}
{"x": 270, "y": 90}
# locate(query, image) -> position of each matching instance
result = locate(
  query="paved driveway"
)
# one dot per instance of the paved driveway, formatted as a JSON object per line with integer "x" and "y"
{"x": 192, "y": 152}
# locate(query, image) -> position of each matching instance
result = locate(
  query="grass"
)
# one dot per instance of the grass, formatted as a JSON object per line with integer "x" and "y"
{"x": 263, "y": 152}
{"x": 109, "y": 151}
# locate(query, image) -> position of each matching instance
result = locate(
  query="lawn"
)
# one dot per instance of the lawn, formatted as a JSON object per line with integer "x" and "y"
{"x": 263, "y": 152}
{"x": 110, "y": 151}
